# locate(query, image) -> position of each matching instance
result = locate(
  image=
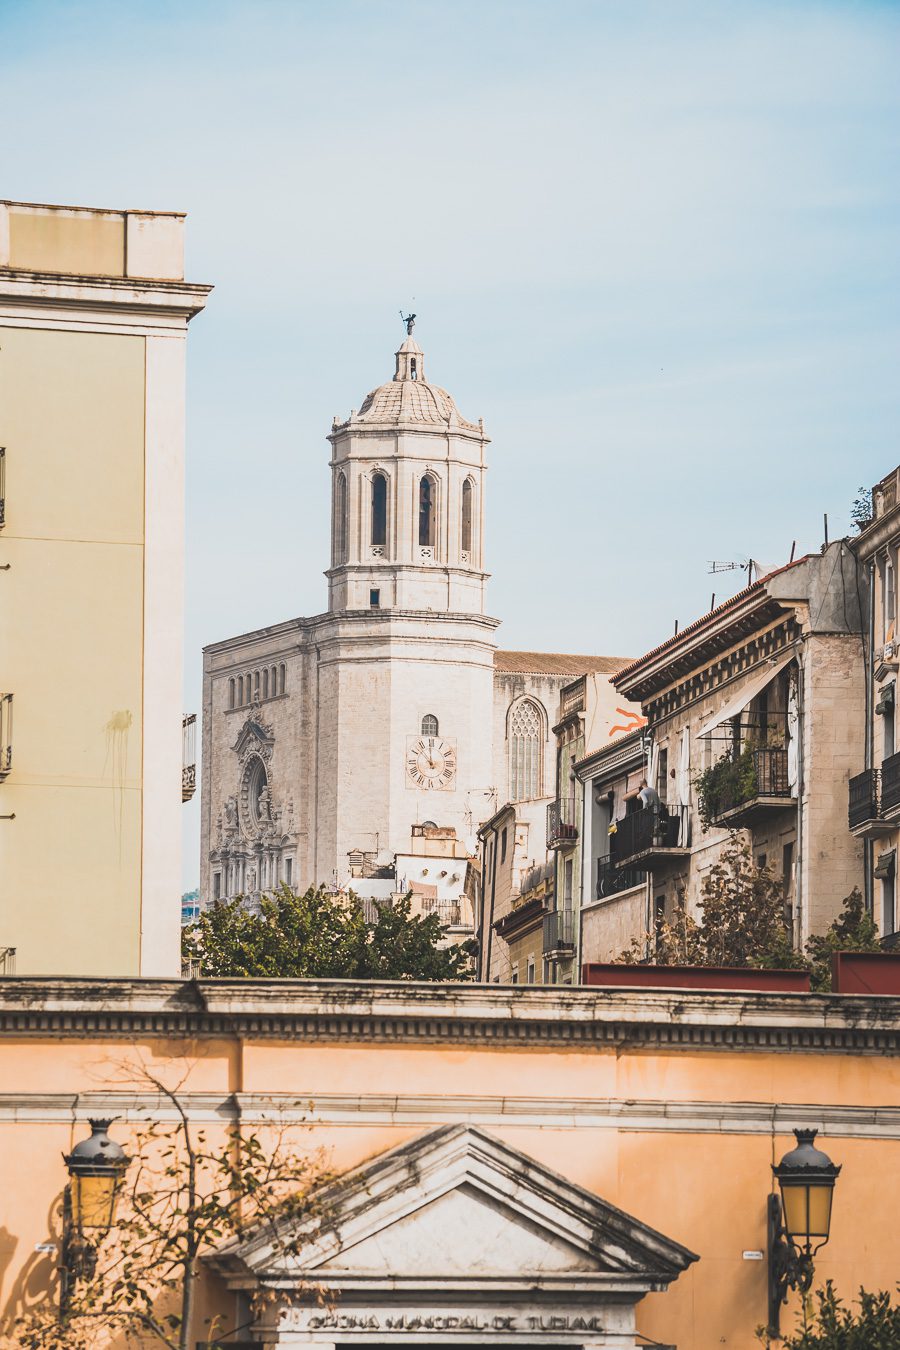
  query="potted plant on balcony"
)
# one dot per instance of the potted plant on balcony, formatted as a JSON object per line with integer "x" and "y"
{"x": 727, "y": 783}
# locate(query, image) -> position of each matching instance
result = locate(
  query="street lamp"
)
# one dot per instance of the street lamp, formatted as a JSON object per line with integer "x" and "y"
{"x": 800, "y": 1221}
{"x": 96, "y": 1166}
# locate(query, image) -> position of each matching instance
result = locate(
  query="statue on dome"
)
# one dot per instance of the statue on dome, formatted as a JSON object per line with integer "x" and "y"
{"x": 410, "y": 321}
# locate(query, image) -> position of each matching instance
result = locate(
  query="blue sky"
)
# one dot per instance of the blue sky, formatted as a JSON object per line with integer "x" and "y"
{"x": 654, "y": 245}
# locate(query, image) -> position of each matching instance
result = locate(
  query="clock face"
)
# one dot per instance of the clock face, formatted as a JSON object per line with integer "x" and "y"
{"x": 430, "y": 763}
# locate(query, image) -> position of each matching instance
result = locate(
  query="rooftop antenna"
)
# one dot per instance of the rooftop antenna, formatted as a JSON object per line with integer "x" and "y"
{"x": 747, "y": 567}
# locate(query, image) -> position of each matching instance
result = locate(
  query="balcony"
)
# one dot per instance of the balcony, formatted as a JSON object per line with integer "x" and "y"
{"x": 612, "y": 879}
{"x": 890, "y": 784}
{"x": 6, "y": 721}
{"x": 865, "y": 810}
{"x": 561, "y": 827}
{"x": 559, "y": 932}
{"x": 2, "y": 486}
{"x": 7, "y": 960}
{"x": 188, "y": 756}
{"x": 651, "y": 838}
{"x": 738, "y": 792}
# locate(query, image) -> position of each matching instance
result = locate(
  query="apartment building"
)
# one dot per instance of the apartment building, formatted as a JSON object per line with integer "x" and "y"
{"x": 94, "y": 312}
{"x": 755, "y": 713}
{"x": 874, "y": 792}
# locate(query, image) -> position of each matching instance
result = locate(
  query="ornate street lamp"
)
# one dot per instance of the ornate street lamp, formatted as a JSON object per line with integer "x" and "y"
{"x": 800, "y": 1221}
{"x": 96, "y": 1167}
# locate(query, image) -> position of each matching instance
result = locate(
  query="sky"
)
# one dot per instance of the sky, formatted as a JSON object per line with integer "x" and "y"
{"x": 654, "y": 245}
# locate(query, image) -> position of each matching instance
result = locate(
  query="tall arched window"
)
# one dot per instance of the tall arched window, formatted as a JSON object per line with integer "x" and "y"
{"x": 231, "y": 693}
{"x": 379, "y": 509}
{"x": 265, "y": 683}
{"x": 340, "y": 519}
{"x": 526, "y": 744}
{"x": 429, "y": 725}
{"x": 281, "y": 678}
{"x": 426, "y": 512}
{"x": 240, "y": 691}
{"x": 466, "y": 542}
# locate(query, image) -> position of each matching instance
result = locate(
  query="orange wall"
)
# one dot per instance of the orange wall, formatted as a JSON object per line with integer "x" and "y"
{"x": 705, "y": 1188}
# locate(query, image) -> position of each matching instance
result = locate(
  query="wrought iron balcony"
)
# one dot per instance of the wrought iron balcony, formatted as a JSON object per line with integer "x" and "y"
{"x": 6, "y": 731}
{"x": 612, "y": 879}
{"x": 890, "y": 783}
{"x": 561, "y": 827}
{"x": 188, "y": 756}
{"x": 559, "y": 931}
{"x": 752, "y": 785}
{"x": 650, "y": 836}
{"x": 7, "y": 960}
{"x": 864, "y": 809}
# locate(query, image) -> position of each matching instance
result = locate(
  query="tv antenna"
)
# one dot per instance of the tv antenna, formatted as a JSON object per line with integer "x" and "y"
{"x": 737, "y": 566}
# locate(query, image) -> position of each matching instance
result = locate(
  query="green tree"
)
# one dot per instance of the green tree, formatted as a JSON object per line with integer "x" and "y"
{"x": 742, "y": 921}
{"x": 876, "y": 1326}
{"x": 316, "y": 936}
{"x": 852, "y": 931}
{"x": 183, "y": 1195}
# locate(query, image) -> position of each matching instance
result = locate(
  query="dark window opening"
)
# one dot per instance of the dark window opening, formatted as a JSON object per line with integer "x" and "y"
{"x": 379, "y": 509}
{"x": 374, "y": 599}
{"x": 413, "y": 369}
{"x": 429, "y": 725}
{"x": 503, "y": 835}
{"x": 340, "y": 521}
{"x": 217, "y": 885}
{"x": 288, "y": 870}
{"x": 467, "y": 516}
{"x": 426, "y": 513}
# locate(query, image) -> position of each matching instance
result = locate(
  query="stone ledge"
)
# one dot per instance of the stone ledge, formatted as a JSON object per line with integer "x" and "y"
{"x": 335, "y": 1010}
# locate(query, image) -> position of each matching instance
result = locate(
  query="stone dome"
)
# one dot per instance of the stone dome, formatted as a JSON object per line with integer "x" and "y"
{"x": 408, "y": 397}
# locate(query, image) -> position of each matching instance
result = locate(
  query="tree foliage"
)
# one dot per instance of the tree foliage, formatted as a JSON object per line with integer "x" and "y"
{"x": 183, "y": 1195}
{"x": 742, "y": 922}
{"x": 835, "y": 1326}
{"x": 316, "y": 936}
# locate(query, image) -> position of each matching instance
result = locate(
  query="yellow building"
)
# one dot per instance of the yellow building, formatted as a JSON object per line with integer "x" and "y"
{"x": 93, "y": 320}
{"x": 587, "y": 1168}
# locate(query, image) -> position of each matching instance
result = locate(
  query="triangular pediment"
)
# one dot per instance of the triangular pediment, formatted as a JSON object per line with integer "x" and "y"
{"x": 454, "y": 1201}
{"x": 255, "y": 734}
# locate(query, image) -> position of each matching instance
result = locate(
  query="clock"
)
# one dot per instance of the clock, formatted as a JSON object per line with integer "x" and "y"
{"x": 431, "y": 763}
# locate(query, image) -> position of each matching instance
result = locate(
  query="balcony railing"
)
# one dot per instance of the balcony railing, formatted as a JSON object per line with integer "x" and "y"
{"x": 561, "y": 827}
{"x": 451, "y": 913}
{"x": 559, "y": 931}
{"x": 2, "y": 486}
{"x": 7, "y": 960}
{"x": 6, "y": 730}
{"x": 890, "y": 782}
{"x": 188, "y": 756}
{"x": 753, "y": 781}
{"x": 612, "y": 879}
{"x": 863, "y": 800}
{"x": 648, "y": 831}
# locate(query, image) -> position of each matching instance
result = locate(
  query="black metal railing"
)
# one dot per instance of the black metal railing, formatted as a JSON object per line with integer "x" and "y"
{"x": 188, "y": 756}
{"x": 6, "y": 742}
{"x": 752, "y": 776}
{"x": 612, "y": 879}
{"x": 890, "y": 782}
{"x": 559, "y": 930}
{"x": 561, "y": 827}
{"x": 643, "y": 830}
{"x": 863, "y": 798}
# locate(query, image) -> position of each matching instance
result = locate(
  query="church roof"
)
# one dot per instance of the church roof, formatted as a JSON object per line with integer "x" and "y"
{"x": 556, "y": 663}
{"x": 409, "y": 398}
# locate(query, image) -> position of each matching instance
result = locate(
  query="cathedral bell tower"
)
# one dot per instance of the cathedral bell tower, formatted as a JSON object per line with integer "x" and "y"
{"x": 407, "y": 498}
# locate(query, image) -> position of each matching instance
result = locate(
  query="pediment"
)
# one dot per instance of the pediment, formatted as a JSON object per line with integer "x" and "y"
{"x": 255, "y": 734}
{"x": 457, "y": 1203}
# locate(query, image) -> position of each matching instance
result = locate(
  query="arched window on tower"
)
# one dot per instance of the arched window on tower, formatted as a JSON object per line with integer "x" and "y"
{"x": 526, "y": 744}
{"x": 426, "y": 512}
{"x": 429, "y": 725}
{"x": 231, "y": 693}
{"x": 413, "y": 369}
{"x": 340, "y": 519}
{"x": 379, "y": 509}
{"x": 466, "y": 539}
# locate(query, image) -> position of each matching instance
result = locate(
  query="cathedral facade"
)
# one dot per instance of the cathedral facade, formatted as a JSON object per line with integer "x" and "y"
{"x": 328, "y": 740}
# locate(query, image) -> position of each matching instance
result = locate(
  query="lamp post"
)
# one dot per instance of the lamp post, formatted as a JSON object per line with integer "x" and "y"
{"x": 799, "y": 1221}
{"x": 96, "y": 1166}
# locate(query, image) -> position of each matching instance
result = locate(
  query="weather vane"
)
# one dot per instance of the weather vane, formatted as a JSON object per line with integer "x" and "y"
{"x": 410, "y": 321}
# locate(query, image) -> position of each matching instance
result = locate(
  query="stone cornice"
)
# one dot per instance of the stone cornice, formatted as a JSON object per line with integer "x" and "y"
{"x": 125, "y": 296}
{"x": 335, "y": 1011}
